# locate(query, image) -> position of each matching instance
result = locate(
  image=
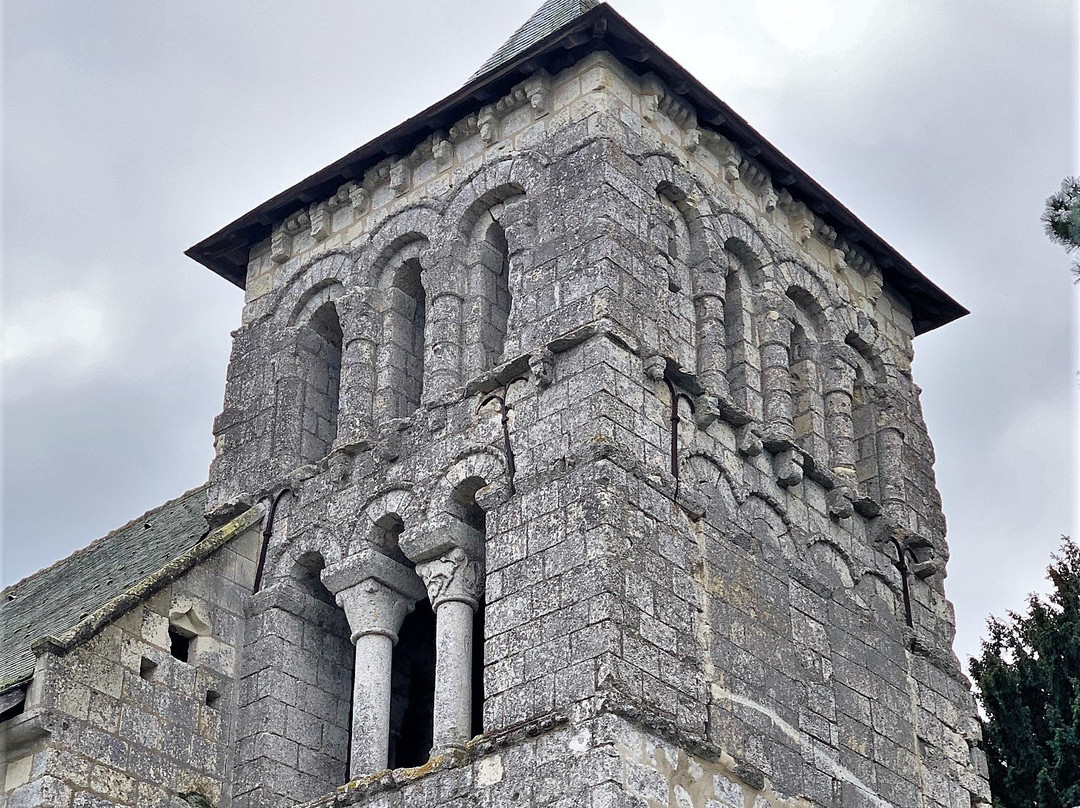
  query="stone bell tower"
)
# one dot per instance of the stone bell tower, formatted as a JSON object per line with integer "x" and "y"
{"x": 593, "y": 468}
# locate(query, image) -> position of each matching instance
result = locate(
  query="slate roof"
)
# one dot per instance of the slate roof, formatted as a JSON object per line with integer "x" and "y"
{"x": 561, "y": 33}
{"x": 55, "y": 599}
{"x": 548, "y": 19}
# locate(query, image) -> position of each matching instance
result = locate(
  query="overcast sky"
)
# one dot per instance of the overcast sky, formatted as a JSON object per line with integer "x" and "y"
{"x": 131, "y": 130}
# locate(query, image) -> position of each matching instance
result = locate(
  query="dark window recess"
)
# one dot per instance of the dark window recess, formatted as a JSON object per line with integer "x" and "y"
{"x": 212, "y": 698}
{"x": 412, "y": 685}
{"x": 12, "y": 702}
{"x": 147, "y": 668}
{"x": 478, "y": 672}
{"x": 179, "y": 644}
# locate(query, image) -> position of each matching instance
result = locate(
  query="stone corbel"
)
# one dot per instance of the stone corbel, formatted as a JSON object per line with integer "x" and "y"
{"x": 399, "y": 177}
{"x": 747, "y": 441}
{"x": 874, "y": 283}
{"x": 730, "y": 159}
{"x": 769, "y": 197}
{"x": 799, "y": 216}
{"x": 359, "y": 198}
{"x": 856, "y": 259}
{"x": 464, "y": 128}
{"x": 488, "y": 125}
{"x": 538, "y": 89}
{"x": 280, "y": 246}
{"x": 340, "y": 198}
{"x": 443, "y": 152}
{"x": 321, "y": 217}
{"x": 542, "y": 367}
{"x": 751, "y": 172}
{"x": 839, "y": 502}
{"x": 788, "y": 465}
{"x": 296, "y": 223}
{"x": 655, "y": 367}
{"x": 375, "y": 592}
{"x": 651, "y": 90}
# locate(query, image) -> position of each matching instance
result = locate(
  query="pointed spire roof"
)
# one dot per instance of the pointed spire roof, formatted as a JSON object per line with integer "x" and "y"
{"x": 550, "y": 17}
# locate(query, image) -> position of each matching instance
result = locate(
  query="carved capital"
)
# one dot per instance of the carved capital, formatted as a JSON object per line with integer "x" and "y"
{"x": 376, "y": 592}
{"x": 456, "y": 575}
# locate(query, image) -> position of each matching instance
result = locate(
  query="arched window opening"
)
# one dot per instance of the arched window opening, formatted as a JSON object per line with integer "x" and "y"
{"x": 412, "y": 672}
{"x": 743, "y": 362}
{"x": 403, "y": 377}
{"x": 412, "y": 689}
{"x": 493, "y": 298}
{"x": 672, "y": 239}
{"x": 468, "y": 511}
{"x": 320, "y": 358}
{"x": 864, "y": 429}
{"x": 325, "y": 661}
{"x": 808, "y": 405}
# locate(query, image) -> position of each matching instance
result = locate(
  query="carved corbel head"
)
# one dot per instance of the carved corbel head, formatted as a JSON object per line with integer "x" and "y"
{"x": 443, "y": 152}
{"x": 538, "y": 89}
{"x": 488, "y": 125}
{"x": 321, "y": 219}
{"x": 655, "y": 367}
{"x": 542, "y": 367}
{"x": 399, "y": 177}
{"x": 359, "y": 198}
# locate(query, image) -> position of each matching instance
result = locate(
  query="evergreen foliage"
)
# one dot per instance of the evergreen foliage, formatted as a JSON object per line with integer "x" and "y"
{"x": 1062, "y": 218}
{"x": 1029, "y": 687}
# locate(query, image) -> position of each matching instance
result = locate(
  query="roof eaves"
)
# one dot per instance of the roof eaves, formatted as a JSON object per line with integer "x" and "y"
{"x": 931, "y": 306}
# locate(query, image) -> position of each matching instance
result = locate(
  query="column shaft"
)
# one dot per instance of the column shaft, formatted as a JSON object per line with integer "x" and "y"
{"x": 369, "y": 743}
{"x": 711, "y": 334}
{"x": 453, "y": 673}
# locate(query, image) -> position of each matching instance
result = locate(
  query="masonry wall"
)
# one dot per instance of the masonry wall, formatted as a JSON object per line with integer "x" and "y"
{"x": 118, "y": 721}
{"x": 734, "y": 590}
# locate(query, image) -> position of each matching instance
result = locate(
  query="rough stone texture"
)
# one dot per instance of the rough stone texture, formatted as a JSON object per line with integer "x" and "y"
{"x": 584, "y": 368}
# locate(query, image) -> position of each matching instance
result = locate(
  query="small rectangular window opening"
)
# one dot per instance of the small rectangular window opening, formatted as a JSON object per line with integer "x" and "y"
{"x": 212, "y": 698}
{"x": 179, "y": 644}
{"x": 147, "y": 668}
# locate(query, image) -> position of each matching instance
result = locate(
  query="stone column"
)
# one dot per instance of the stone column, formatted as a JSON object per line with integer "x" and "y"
{"x": 445, "y": 329}
{"x": 359, "y": 327}
{"x": 775, "y": 327}
{"x": 890, "y": 451}
{"x": 839, "y": 391}
{"x": 709, "y": 291}
{"x": 376, "y": 594}
{"x": 455, "y": 583}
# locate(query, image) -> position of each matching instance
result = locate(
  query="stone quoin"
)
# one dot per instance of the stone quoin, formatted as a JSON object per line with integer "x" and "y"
{"x": 570, "y": 456}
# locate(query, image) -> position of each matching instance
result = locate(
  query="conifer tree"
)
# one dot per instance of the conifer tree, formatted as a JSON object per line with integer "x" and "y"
{"x": 1029, "y": 687}
{"x": 1062, "y": 218}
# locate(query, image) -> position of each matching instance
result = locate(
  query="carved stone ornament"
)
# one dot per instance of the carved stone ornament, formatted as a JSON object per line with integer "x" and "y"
{"x": 654, "y": 368}
{"x": 542, "y": 366}
{"x": 443, "y": 152}
{"x": 375, "y": 592}
{"x": 453, "y": 576}
{"x": 788, "y": 466}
